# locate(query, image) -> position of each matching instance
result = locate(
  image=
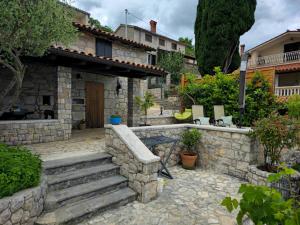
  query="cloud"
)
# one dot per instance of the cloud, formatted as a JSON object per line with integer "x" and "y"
{"x": 176, "y": 17}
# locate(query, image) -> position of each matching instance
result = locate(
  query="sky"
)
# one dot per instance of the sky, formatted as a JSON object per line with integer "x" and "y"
{"x": 176, "y": 17}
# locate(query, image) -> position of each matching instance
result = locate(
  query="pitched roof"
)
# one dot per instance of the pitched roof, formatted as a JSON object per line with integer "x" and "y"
{"x": 288, "y": 68}
{"x": 152, "y": 70}
{"x": 148, "y": 31}
{"x": 111, "y": 36}
{"x": 275, "y": 38}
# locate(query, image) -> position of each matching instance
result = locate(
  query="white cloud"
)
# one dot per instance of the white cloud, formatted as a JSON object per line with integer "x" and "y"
{"x": 176, "y": 17}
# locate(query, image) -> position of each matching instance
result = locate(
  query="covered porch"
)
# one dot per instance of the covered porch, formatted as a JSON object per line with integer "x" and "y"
{"x": 287, "y": 80}
{"x": 82, "y": 88}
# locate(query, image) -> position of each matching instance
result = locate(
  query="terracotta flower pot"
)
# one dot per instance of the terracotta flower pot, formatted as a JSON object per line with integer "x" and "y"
{"x": 188, "y": 160}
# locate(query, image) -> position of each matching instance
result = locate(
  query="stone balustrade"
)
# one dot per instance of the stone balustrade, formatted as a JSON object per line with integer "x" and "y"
{"x": 136, "y": 161}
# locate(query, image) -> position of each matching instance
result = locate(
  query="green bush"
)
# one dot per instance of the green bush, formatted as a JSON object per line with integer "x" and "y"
{"x": 190, "y": 138}
{"x": 19, "y": 169}
{"x": 223, "y": 89}
{"x": 293, "y": 105}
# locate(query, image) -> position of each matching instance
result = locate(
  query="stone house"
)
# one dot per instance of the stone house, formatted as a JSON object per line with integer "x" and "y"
{"x": 93, "y": 78}
{"x": 278, "y": 59}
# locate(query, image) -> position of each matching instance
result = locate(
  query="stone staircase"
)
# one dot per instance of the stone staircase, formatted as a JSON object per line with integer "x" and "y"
{"x": 80, "y": 187}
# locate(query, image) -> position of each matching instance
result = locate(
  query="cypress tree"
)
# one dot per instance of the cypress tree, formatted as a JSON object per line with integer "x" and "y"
{"x": 218, "y": 27}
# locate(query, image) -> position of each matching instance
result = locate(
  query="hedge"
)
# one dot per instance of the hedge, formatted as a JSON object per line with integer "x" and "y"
{"x": 19, "y": 169}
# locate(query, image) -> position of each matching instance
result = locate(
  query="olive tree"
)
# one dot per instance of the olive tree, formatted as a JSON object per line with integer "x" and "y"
{"x": 28, "y": 28}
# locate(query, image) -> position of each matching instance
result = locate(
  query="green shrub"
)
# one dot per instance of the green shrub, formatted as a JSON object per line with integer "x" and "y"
{"x": 293, "y": 105}
{"x": 223, "y": 89}
{"x": 19, "y": 169}
{"x": 190, "y": 138}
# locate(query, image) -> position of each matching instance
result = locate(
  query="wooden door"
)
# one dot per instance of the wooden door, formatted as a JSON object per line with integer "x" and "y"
{"x": 94, "y": 105}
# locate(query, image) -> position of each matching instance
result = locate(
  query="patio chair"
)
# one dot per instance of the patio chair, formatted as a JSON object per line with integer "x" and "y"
{"x": 220, "y": 118}
{"x": 198, "y": 115}
{"x": 187, "y": 114}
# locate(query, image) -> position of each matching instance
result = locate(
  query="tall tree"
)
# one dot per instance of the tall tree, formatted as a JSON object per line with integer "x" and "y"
{"x": 28, "y": 28}
{"x": 189, "y": 47}
{"x": 218, "y": 27}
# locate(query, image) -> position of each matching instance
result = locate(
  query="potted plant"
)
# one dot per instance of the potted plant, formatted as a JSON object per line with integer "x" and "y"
{"x": 146, "y": 103}
{"x": 115, "y": 119}
{"x": 274, "y": 134}
{"x": 190, "y": 139}
{"x": 82, "y": 124}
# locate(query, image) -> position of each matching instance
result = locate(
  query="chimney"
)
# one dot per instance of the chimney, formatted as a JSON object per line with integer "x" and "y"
{"x": 242, "y": 49}
{"x": 153, "y": 26}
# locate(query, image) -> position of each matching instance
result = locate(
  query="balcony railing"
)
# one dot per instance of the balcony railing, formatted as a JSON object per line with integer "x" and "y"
{"x": 277, "y": 59}
{"x": 287, "y": 91}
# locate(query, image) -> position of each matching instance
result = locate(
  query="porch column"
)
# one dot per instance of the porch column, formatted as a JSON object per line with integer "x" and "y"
{"x": 133, "y": 118}
{"x": 64, "y": 99}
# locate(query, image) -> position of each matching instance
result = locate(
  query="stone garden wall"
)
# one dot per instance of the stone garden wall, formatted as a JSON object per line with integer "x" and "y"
{"x": 159, "y": 120}
{"x": 23, "y": 207}
{"x": 36, "y": 131}
{"x": 225, "y": 150}
{"x": 136, "y": 161}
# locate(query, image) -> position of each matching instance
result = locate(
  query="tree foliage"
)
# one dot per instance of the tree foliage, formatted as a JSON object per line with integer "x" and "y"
{"x": 189, "y": 47}
{"x": 173, "y": 63}
{"x": 218, "y": 27}
{"x": 145, "y": 103}
{"x": 96, "y": 23}
{"x": 28, "y": 28}
{"x": 223, "y": 89}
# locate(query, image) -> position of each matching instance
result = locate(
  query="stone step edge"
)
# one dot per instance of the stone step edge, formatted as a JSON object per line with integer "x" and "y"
{"x": 65, "y": 162}
{"x": 83, "y": 190}
{"x": 80, "y": 173}
{"x": 85, "y": 207}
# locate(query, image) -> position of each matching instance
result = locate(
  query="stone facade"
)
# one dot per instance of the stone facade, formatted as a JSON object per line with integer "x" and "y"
{"x": 226, "y": 150}
{"x": 23, "y": 207}
{"x": 128, "y": 53}
{"x": 136, "y": 162}
{"x": 36, "y": 131}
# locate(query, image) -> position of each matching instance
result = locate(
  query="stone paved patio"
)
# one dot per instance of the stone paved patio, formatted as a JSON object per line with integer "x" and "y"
{"x": 192, "y": 198}
{"x": 82, "y": 142}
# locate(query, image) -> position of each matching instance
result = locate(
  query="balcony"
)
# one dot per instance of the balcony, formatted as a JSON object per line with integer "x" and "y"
{"x": 273, "y": 60}
{"x": 287, "y": 91}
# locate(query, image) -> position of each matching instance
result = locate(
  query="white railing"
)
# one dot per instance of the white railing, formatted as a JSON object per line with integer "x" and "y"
{"x": 287, "y": 91}
{"x": 276, "y": 59}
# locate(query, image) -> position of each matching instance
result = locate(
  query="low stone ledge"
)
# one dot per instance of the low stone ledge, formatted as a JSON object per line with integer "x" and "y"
{"x": 25, "y": 206}
{"x": 136, "y": 161}
{"x": 159, "y": 120}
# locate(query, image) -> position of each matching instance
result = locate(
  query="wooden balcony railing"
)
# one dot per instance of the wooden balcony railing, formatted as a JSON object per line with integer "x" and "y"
{"x": 277, "y": 59}
{"x": 287, "y": 91}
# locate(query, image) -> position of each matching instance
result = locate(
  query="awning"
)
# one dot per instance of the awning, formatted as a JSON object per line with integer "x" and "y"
{"x": 98, "y": 64}
{"x": 288, "y": 68}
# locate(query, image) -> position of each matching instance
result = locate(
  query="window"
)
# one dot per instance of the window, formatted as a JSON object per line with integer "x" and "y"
{"x": 151, "y": 59}
{"x": 103, "y": 48}
{"x": 162, "y": 42}
{"x": 174, "y": 46}
{"x": 46, "y": 100}
{"x": 148, "y": 37}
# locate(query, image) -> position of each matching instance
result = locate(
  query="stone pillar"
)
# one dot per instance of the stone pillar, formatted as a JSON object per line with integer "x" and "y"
{"x": 64, "y": 99}
{"x": 134, "y": 114}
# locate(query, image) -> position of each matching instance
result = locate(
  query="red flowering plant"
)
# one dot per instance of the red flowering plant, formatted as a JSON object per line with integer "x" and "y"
{"x": 275, "y": 133}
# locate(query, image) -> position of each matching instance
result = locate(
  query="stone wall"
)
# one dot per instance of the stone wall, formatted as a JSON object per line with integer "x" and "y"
{"x": 113, "y": 103}
{"x": 36, "y": 131}
{"x": 226, "y": 150}
{"x": 129, "y": 53}
{"x": 159, "y": 120}
{"x": 23, "y": 207}
{"x": 136, "y": 162}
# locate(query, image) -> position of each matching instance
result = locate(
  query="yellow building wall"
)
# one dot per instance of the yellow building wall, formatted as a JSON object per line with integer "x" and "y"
{"x": 267, "y": 72}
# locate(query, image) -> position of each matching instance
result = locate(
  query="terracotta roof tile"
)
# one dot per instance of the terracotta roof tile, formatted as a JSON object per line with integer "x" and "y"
{"x": 101, "y": 58}
{"x": 112, "y": 36}
{"x": 288, "y": 68}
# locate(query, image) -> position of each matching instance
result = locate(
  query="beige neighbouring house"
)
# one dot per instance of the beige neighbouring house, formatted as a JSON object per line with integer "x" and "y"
{"x": 278, "y": 59}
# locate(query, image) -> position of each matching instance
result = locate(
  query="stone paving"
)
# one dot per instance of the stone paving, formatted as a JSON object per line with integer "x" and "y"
{"x": 192, "y": 198}
{"x": 82, "y": 142}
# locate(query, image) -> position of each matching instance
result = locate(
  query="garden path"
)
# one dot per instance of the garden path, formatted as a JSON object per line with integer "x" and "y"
{"x": 192, "y": 198}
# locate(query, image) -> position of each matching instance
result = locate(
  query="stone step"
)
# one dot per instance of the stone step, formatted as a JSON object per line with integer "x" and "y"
{"x": 68, "y": 164}
{"x": 77, "y": 212}
{"x": 76, "y": 193}
{"x": 80, "y": 176}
